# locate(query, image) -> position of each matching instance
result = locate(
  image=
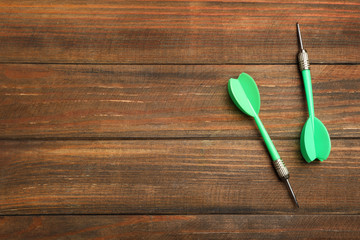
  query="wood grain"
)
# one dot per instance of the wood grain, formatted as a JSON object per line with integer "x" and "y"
{"x": 177, "y": 31}
{"x": 121, "y": 107}
{"x": 185, "y": 227}
{"x": 173, "y": 177}
{"x": 152, "y": 101}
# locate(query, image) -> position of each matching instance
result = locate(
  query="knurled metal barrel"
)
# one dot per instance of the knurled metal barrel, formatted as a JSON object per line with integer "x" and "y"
{"x": 281, "y": 169}
{"x": 303, "y": 60}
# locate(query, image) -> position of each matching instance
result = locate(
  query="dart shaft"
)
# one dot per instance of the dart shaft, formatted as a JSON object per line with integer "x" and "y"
{"x": 308, "y": 91}
{"x": 269, "y": 144}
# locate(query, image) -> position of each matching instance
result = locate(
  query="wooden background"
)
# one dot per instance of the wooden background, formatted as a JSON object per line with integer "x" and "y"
{"x": 115, "y": 122}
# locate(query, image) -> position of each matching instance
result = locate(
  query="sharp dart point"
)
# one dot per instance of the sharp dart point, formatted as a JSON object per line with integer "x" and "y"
{"x": 299, "y": 35}
{"x": 292, "y": 192}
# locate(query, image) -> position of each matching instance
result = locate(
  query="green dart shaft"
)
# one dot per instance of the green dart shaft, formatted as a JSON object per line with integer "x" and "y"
{"x": 269, "y": 144}
{"x": 308, "y": 92}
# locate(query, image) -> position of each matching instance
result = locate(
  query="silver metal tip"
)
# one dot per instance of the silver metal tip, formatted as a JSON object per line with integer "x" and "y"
{"x": 299, "y": 36}
{"x": 292, "y": 192}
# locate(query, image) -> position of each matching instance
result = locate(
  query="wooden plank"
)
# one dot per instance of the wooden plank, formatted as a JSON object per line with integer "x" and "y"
{"x": 185, "y": 227}
{"x": 177, "y": 31}
{"x": 150, "y": 101}
{"x": 173, "y": 177}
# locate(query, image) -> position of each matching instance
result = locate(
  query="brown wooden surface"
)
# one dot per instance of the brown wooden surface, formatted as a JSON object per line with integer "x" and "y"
{"x": 47, "y": 101}
{"x": 177, "y": 31}
{"x": 120, "y": 107}
{"x": 187, "y": 227}
{"x": 173, "y": 177}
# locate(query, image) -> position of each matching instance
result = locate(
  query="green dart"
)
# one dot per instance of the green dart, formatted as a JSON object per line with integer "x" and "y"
{"x": 314, "y": 140}
{"x": 245, "y": 94}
